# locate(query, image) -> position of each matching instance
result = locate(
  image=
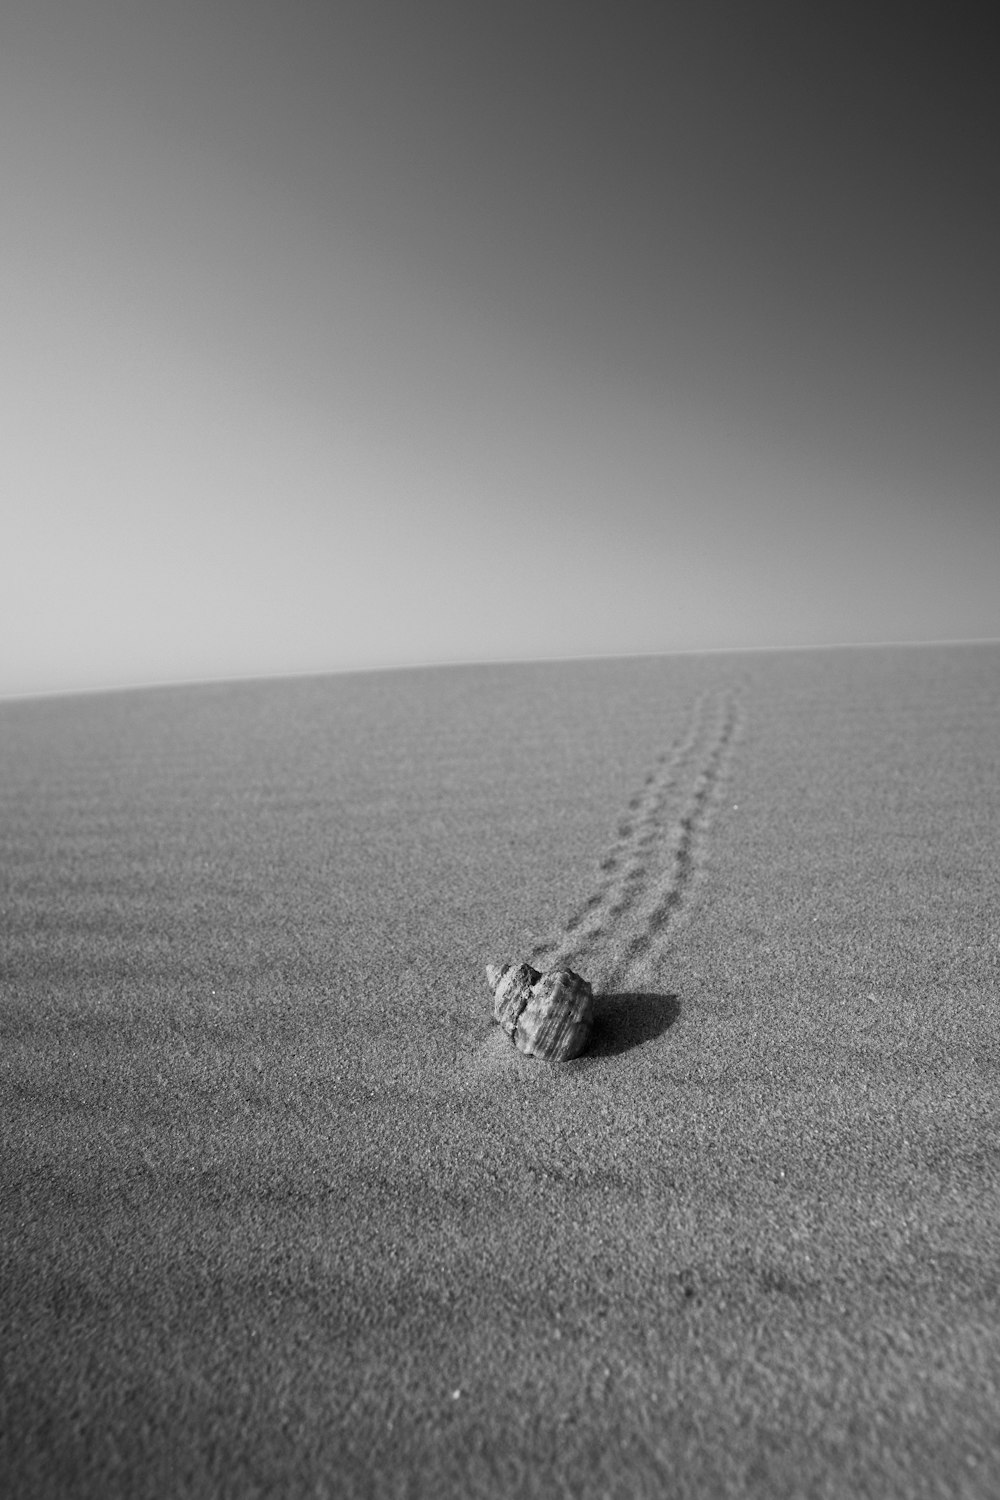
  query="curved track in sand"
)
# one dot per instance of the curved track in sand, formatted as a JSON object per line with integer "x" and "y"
{"x": 648, "y": 874}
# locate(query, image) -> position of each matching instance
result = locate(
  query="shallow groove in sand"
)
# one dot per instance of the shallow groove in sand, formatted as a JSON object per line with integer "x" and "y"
{"x": 668, "y": 896}
{"x": 647, "y": 873}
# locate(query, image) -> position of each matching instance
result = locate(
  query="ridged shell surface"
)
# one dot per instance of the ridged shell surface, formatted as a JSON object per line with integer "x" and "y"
{"x": 555, "y": 1024}
{"x": 545, "y": 1015}
{"x": 511, "y": 992}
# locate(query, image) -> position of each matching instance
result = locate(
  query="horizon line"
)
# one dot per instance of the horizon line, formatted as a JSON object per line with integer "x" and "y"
{"x": 158, "y": 684}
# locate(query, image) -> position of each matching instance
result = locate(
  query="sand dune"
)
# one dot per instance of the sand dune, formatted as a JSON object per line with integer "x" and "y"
{"x": 282, "y": 1211}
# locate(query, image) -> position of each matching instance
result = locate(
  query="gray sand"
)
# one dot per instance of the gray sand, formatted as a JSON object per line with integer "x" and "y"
{"x": 283, "y": 1213}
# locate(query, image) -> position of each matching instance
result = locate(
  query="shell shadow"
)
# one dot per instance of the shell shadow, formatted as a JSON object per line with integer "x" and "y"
{"x": 625, "y": 1021}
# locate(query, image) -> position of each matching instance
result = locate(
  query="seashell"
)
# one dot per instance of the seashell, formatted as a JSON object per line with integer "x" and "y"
{"x": 555, "y": 1024}
{"x": 545, "y": 1015}
{"x": 511, "y": 992}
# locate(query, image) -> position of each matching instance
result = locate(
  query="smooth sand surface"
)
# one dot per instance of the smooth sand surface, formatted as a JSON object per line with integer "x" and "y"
{"x": 283, "y": 1213}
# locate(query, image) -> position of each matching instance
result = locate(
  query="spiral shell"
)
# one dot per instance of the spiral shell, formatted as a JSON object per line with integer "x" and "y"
{"x": 545, "y": 1015}
{"x": 511, "y": 992}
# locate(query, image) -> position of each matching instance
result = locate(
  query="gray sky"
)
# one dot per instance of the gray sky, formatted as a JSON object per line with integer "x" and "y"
{"x": 357, "y": 333}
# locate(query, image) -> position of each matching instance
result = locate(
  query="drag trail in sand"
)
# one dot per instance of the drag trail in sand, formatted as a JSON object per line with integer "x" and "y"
{"x": 648, "y": 874}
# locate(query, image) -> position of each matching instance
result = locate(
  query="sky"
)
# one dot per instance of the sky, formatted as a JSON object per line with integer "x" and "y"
{"x": 374, "y": 332}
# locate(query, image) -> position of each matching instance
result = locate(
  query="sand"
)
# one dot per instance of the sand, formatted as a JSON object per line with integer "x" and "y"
{"x": 283, "y": 1213}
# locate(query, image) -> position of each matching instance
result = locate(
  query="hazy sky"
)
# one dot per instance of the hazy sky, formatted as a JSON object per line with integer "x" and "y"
{"x": 371, "y": 331}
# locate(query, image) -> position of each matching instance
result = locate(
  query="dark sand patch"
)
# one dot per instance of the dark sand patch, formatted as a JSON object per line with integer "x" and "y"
{"x": 283, "y": 1213}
